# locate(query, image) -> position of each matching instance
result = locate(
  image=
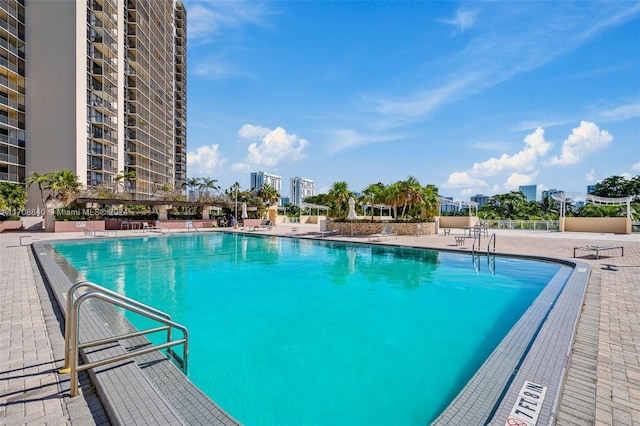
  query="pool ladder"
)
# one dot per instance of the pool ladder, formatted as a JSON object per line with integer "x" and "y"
{"x": 72, "y": 345}
{"x": 492, "y": 239}
{"x": 491, "y": 260}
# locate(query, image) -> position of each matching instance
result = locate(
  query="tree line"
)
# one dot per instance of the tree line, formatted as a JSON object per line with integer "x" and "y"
{"x": 514, "y": 205}
{"x": 407, "y": 199}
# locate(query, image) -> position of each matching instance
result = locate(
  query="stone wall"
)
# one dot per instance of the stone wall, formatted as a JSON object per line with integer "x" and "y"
{"x": 368, "y": 228}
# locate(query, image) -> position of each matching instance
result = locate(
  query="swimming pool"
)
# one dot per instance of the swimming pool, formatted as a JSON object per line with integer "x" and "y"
{"x": 291, "y": 331}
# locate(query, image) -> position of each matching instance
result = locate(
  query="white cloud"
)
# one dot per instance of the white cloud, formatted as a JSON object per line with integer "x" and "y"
{"x": 216, "y": 69}
{"x": 462, "y": 180}
{"x": 205, "y": 162}
{"x": 464, "y": 19}
{"x": 623, "y": 112}
{"x": 207, "y": 19}
{"x": 591, "y": 176}
{"x": 501, "y": 48}
{"x": 272, "y": 146}
{"x": 517, "y": 179}
{"x": 522, "y": 166}
{"x": 583, "y": 140}
{"x": 241, "y": 167}
{"x": 636, "y": 167}
{"x": 249, "y": 131}
{"x": 524, "y": 160}
{"x": 343, "y": 139}
{"x": 416, "y": 106}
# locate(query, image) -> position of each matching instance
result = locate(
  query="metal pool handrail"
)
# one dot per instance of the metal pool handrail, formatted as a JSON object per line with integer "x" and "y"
{"x": 72, "y": 324}
{"x": 476, "y": 236}
{"x": 492, "y": 238}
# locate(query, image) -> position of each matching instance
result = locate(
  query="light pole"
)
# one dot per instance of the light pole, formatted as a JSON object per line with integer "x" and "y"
{"x": 235, "y": 218}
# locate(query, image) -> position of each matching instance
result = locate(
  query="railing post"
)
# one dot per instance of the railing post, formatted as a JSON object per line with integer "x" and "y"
{"x": 73, "y": 347}
{"x": 72, "y": 325}
{"x": 68, "y": 325}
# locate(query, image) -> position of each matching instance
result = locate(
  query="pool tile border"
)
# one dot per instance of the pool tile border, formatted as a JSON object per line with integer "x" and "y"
{"x": 544, "y": 335}
{"x": 546, "y": 361}
{"x": 489, "y": 397}
{"x": 131, "y": 393}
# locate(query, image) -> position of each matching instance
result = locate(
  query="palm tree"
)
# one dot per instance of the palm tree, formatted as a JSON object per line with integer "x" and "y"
{"x": 339, "y": 194}
{"x": 268, "y": 194}
{"x": 393, "y": 196}
{"x": 42, "y": 182}
{"x": 430, "y": 201}
{"x": 191, "y": 183}
{"x": 411, "y": 193}
{"x": 206, "y": 184}
{"x": 126, "y": 179}
{"x": 64, "y": 185}
{"x": 372, "y": 194}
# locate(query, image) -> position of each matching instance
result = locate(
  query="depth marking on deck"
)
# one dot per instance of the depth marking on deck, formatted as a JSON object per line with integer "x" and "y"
{"x": 527, "y": 407}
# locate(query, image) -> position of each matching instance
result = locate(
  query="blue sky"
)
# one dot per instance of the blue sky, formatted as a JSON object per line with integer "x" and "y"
{"x": 474, "y": 97}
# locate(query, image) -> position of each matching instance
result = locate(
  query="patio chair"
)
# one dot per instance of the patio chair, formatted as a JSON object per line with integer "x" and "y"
{"x": 147, "y": 227}
{"x": 265, "y": 224}
{"x": 387, "y": 231}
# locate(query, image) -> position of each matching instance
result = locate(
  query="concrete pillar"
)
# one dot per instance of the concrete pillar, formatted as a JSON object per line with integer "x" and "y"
{"x": 163, "y": 212}
{"x": 205, "y": 212}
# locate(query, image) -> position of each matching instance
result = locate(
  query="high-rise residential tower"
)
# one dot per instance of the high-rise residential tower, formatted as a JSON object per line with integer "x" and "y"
{"x": 258, "y": 179}
{"x": 12, "y": 91}
{"x": 300, "y": 189}
{"x": 106, "y": 90}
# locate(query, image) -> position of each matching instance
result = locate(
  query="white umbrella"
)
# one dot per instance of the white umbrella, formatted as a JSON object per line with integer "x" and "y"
{"x": 352, "y": 212}
{"x": 244, "y": 214}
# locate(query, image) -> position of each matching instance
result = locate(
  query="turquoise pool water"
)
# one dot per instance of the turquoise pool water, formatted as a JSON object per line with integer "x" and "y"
{"x": 298, "y": 332}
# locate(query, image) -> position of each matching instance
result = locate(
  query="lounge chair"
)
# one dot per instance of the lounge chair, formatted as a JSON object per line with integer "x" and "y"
{"x": 265, "y": 224}
{"x": 387, "y": 231}
{"x": 597, "y": 249}
{"x": 328, "y": 232}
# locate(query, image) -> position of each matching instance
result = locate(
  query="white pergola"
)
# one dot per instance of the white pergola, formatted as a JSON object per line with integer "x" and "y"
{"x": 380, "y": 207}
{"x": 313, "y": 206}
{"x": 460, "y": 204}
{"x": 562, "y": 197}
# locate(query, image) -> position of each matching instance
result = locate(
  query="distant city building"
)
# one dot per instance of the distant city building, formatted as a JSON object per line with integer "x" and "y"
{"x": 284, "y": 201}
{"x": 301, "y": 188}
{"x": 591, "y": 189}
{"x": 550, "y": 192}
{"x": 529, "y": 191}
{"x": 259, "y": 179}
{"x": 480, "y": 199}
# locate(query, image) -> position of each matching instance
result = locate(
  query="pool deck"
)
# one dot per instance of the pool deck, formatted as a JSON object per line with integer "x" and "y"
{"x": 602, "y": 384}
